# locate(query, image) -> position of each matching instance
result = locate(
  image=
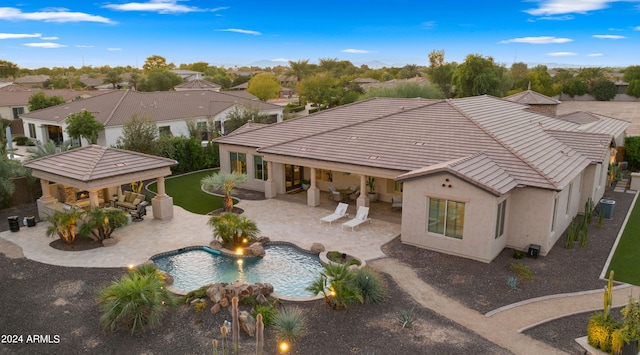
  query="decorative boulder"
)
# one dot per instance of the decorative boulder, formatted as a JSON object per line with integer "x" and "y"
{"x": 262, "y": 300}
{"x": 215, "y": 244}
{"x": 109, "y": 242}
{"x": 317, "y": 248}
{"x": 216, "y": 292}
{"x": 255, "y": 249}
{"x": 264, "y": 240}
{"x": 224, "y": 303}
{"x": 247, "y": 322}
{"x": 216, "y": 308}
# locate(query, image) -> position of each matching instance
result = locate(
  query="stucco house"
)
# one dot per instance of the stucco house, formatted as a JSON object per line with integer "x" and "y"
{"x": 169, "y": 109}
{"x": 476, "y": 174}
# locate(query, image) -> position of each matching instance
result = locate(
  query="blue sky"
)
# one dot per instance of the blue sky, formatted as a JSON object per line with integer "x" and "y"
{"x": 234, "y": 33}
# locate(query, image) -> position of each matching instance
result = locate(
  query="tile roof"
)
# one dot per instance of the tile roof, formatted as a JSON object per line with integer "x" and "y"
{"x": 531, "y": 98}
{"x": 197, "y": 84}
{"x": 117, "y": 107}
{"x": 594, "y": 146}
{"x": 96, "y": 162}
{"x": 10, "y": 95}
{"x": 596, "y": 123}
{"x": 515, "y": 145}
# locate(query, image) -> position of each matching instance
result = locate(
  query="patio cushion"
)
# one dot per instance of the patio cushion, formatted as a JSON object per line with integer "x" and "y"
{"x": 136, "y": 201}
{"x": 132, "y": 196}
{"x": 127, "y": 195}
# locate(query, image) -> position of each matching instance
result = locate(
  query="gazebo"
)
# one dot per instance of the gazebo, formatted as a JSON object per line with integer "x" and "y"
{"x": 90, "y": 177}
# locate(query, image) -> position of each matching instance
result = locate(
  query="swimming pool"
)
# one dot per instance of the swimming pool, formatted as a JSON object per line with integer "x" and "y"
{"x": 289, "y": 269}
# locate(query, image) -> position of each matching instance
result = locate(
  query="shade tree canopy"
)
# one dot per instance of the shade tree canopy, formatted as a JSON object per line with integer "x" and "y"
{"x": 264, "y": 86}
{"x": 84, "y": 125}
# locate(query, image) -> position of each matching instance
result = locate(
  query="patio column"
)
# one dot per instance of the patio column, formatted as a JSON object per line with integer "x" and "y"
{"x": 45, "y": 199}
{"x": 313, "y": 194}
{"x": 93, "y": 198}
{"x": 363, "y": 200}
{"x": 162, "y": 204}
{"x": 270, "y": 190}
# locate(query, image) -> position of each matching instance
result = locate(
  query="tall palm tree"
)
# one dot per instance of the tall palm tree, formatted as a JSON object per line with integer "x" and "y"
{"x": 300, "y": 69}
{"x": 224, "y": 182}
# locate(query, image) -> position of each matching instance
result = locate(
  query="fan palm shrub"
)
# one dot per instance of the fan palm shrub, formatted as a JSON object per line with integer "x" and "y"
{"x": 335, "y": 284}
{"x": 100, "y": 223}
{"x": 224, "y": 182}
{"x": 137, "y": 301}
{"x": 64, "y": 224}
{"x": 232, "y": 229}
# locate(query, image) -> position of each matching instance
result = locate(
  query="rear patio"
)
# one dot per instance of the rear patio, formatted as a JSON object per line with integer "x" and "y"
{"x": 286, "y": 218}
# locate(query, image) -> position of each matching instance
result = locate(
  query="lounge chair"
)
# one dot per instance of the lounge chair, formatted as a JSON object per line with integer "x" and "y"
{"x": 340, "y": 212}
{"x": 396, "y": 202}
{"x": 334, "y": 194}
{"x": 361, "y": 217}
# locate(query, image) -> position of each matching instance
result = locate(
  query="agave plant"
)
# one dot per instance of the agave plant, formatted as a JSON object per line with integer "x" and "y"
{"x": 136, "y": 302}
{"x": 63, "y": 224}
{"x": 101, "y": 222}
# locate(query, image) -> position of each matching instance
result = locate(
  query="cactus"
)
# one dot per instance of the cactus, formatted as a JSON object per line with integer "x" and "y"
{"x": 214, "y": 342}
{"x": 259, "y": 335}
{"x": 588, "y": 210}
{"x": 608, "y": 296}
{"x": 225, "y": 341}
{"x": 235, "y": 324}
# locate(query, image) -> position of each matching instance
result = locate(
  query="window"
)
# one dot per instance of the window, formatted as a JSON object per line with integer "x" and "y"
{"x": 502, "y": 208}
{"x": 569, "y": 199}
{"x": 446, "y": 217}
{"x": 555, "y": 210}
{"x": 32, "y": 130}
{"x": 324, "y": 175}
{"x": 397, "y": 187}
{"x": 260, "y": 168}
{"x": 17, "y": 111}
{"x": 238, "y": 162}
{"x": 165, "y": 131}
{"x": 202, "y": 130}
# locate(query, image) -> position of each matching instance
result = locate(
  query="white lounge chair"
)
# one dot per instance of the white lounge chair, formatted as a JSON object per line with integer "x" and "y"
{"x": 361, "y": 217}
{"x": 340, "y": 212}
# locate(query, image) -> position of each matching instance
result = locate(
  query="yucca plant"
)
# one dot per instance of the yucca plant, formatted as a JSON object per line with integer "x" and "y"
{"x": 372, "y": 286}
{"x": 290, "y": 324}
{"x": 63, "y": 224}
{"x": 102, "y": 222}
{"x": 224, "y": 182}
{"x": 137, "y": 301}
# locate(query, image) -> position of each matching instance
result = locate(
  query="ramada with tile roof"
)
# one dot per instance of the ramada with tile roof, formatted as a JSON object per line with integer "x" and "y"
{"x": 476, "y": 174}
{"x": 171, "y": 110}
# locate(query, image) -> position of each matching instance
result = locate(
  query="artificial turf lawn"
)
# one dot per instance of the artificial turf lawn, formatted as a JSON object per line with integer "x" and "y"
{"x": 625, "y": 260}
{"x": 186, "y": 192}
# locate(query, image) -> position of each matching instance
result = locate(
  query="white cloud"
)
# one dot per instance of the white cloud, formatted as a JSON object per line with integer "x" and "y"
{"x": 562, "y": 54}
{"x": 51, "y": 15}
{"x": 83, "y": 46}
{"x": 159, "y": 6}
{"x": 428, "y": 24}
{"x": 237, "y": 30}
{"x": 637, "y": 28}
{"x": 608, "y": 36}
{"x": 538, "y": 40}
{"x": 52, "y": 38}
{"x": 114, "y": 49}
{"x": 18, "y": 35}
{"x": 557, "y": 7}
{"x": 556, "y": 18}
{"x": 44, "y": 45}
{"x": 355, "y": 51}
{"x": 595, "y": 55}
{"x": 285, "y": 60}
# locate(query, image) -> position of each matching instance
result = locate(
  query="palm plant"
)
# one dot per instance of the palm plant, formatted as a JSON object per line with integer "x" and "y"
{"x": 137, "y": 301}
{"x": 46, "y": 149}
{"x": 226, "y": 183}
{"x": 63, "y": 224}
{"x": 101, "y": 222}
{"x": 9, "y": 169}
{"x": 232, "y": 228}
{"x": 337, "y": 286}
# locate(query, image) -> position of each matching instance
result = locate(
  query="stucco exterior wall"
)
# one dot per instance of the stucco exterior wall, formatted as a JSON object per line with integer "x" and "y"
{"x": 594, "y": 179}
{"x": 252, "y": 183}
{"x": 478, "y": 236}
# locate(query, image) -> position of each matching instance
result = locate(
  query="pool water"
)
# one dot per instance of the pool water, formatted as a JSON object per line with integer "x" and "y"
{"x": 289, "y": 269}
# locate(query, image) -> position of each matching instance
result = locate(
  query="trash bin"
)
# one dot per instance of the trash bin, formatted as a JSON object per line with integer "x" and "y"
{"x": 31, "y": 221}
{"x": 14, "y": 224}
{"x": 606, "y": 208}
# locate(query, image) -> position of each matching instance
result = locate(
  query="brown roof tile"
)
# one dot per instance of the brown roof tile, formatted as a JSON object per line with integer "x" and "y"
{"x": 529, "y": 97}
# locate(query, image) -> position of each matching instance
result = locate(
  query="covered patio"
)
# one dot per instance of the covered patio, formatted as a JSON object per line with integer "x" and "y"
{"x": 90, "y": 177}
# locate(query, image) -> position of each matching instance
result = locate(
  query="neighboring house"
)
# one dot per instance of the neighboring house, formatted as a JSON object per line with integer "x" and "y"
{"x": 14, "y": 101}
{"x": 536, "y": 101}
{"x": 240, "y": 87}
{"x": 32, "y": 81}
{"x": 197, "y": 84}
{"x": 187, "y": 75}
{"x": 170, "y": 109}
{"x": 477, "y": 174}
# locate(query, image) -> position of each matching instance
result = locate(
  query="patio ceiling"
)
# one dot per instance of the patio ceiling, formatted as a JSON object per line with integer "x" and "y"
{"x": 96, "y": 167}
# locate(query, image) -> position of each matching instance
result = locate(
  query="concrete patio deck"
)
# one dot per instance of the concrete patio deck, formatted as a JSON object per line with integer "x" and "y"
{"x": 278, "y": 219}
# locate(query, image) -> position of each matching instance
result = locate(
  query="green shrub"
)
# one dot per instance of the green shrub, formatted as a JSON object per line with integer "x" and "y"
{"x": 199, "y": 307}
{"x": 290, "y": 324}
{"x": 406, "y": 319}
{"x": 136, "y": 302}
{"x": 268, "y": 313}
{"x": 518, "y": 254}
{"x": 191, "y": 295}
{"x": 522, "y": 271}
{"x": 599, "y": 331}
{"x": 21, "y": 140}
{"x": 372, "y": 285}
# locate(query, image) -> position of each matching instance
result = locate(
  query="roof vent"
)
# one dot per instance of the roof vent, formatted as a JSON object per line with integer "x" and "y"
{"x": 420, "y": 144}
{"x": 353, "y": 137}
{"x": 373, "y": 157}
{"x": 120, "y": 164}
{"x": 401, "y": 108}
{"x": 303, "y": 149}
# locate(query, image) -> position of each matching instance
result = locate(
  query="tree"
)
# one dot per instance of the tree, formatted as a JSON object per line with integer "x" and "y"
{"x": 300, "y": 69}
{"x": 478, "y": 76}
{"x": 575, "y": 87}
{"x": 39, "y": 101}
{"x": 541, "y": 81}
{"x": 112, "y": 78}
{"x": 631, "y": 73}
{"x": 4, "y": 124}
{"x": 634, "y": 88}
{"x": 197, "y": 66}
{"x": 155, "y": 62}
{"x": 134, "y": 78}
{"x": 84, "y": 125}
{"x": 265, "y": 86}
{"x": 139, "y": 135}
{"x": 46, "y": 149}
{"x": 238, "y": 116}
{"x": 632, "y": 151}
{"x": 8, "y": 69}
{"x": 405, "y": 90}
{"x": 158, "y": 79}
{"x": 225, "y": 182}
{"x": 319, "y": 88}
{"x": 604, "y": 90}
{"x": 590, "y": 76}
{"x": 9, "y": 169}
{"x": 440, "y": 72}
{"x": 409, "y": 71}
{"x": 518, "y": 73}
